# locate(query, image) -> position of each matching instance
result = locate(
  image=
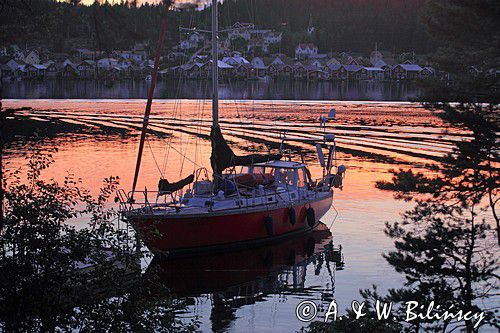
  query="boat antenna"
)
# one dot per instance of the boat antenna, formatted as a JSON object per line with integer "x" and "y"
{"x": 147, "y": 112}
{"x": 215, "y": 66}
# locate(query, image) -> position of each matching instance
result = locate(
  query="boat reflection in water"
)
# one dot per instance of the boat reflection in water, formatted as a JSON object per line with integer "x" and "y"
{"x": 235, "y": 279}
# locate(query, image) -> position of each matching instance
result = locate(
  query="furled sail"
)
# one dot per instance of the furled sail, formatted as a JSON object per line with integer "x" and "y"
{"x": 166, "y": 187}
{"x": 223, "y": 156}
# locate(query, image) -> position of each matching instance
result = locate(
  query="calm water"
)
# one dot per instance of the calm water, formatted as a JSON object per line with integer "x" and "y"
{"x": 258, "y": 290}
{"x": 259, "y": 90}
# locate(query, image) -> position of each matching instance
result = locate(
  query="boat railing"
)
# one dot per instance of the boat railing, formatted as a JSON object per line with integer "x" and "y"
{"x": 251, "y": 196}
{"x": 142, "y": 200}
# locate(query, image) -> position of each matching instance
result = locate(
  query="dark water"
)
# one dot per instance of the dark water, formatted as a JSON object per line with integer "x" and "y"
{"x": 259, "y": 90}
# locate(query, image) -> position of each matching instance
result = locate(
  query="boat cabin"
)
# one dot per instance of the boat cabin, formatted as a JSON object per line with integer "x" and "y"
{"x": 288, "y": 174}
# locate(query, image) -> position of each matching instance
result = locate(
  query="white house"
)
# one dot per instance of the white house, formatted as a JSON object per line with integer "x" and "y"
{"x": 305, "y": 50}
{"x": 235, "y": 60}
{"x": 32, "y": 58}
{"x": 130, "y": 55}
{"x": 107, "y": 63}
{"x": 273, "y": 37}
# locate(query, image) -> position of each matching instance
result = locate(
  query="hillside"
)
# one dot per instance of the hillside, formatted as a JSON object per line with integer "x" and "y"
{"x": 339, "y": 25}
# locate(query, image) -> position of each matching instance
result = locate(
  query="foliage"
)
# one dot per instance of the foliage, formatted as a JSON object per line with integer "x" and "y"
{"x": 61, "y": 276}
{"x": 444, "y": 247}
{"x": 239, "y": 44}
{"x": 341, "y": 26}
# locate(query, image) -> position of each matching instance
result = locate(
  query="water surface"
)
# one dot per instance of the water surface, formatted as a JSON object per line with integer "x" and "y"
{"x": 255, "y": 291}
{"x": 191, "y": 89}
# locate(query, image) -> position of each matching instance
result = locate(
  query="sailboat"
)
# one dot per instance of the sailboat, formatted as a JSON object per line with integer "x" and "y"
{"x": 262, "y": 199}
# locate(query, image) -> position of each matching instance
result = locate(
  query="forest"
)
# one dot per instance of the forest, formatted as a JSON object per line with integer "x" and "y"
{"x": 339, "y": 25}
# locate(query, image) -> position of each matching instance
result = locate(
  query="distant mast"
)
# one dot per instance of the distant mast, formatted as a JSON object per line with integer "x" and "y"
{"x": 147, "y": 112}
{"x": 215, "y": 66}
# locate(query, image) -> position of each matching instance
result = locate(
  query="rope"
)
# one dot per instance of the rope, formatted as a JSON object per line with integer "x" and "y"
{"x": 154, "y": 158}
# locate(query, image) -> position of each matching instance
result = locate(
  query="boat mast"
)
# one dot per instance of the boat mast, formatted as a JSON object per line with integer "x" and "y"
{"x": 215, "y": 66}
{"x": 147, "y": 112}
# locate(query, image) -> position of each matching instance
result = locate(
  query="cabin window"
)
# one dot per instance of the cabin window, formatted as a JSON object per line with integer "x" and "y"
{"x": 286, "y": 176}
{"x": 302, "y": 178}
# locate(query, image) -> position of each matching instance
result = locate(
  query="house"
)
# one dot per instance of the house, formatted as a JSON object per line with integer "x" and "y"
{"x": 107, "y": 63}
{"x": 427, "y": 72}
{"x": 36, "y": 70}
{"x": 174, "y": 56}
{"x": 336, "y": 71}
{"x": 240, "y": 30}
{"x": 52, "y": 70}
{"x": 32, "y": 58}
{"x": 371, "y": 73}
{"x": 225, "y": 70}
{"x": 273, "y": 37}
{"x": 10, "y": 67}
{"x": 353, "y": 72}
{"x": 333, "y": 60}
{"x": 236, "y": 59}
{"x": 130, "y": 55}
{"x": 259, "y": 67}
{"x": 380, "y": 64}
{"x": 86, "y": 69}
{"x": 21, "y": 72}
{"x": 69, "y": 70}
{"x": 406, "y": 72}
{"x": 192, "y": 42}
{"x": 244, "y": 70}
{"x": 86, "y": 54}
{"x": 388, "y": 72}
{"x": 299, "y": 71}
{"x": 305, "y": 50}
{"x": 281, "y": 67}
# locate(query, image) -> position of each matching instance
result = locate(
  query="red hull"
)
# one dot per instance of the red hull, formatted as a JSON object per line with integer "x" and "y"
{"x": 218, "y": 230}
{"x": 219, "y": 273}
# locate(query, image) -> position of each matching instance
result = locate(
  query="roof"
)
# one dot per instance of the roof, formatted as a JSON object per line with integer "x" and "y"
{"x": 353, "y": 68}
{"x": 258, "y": 63}
{"x": 411, "y": 67}
{"x": 282, "y": 164}
{"x": 380, "y": 63}
{"x": 374, "y": 69}
{"x": 38, "y": 66}
{"x": 334, "y": 67}
{"x": 306, "y": 45}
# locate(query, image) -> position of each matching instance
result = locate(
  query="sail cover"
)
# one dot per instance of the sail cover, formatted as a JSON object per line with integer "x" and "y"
{"x": 166, "y": 187}
{"x": 223, "y": 157}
